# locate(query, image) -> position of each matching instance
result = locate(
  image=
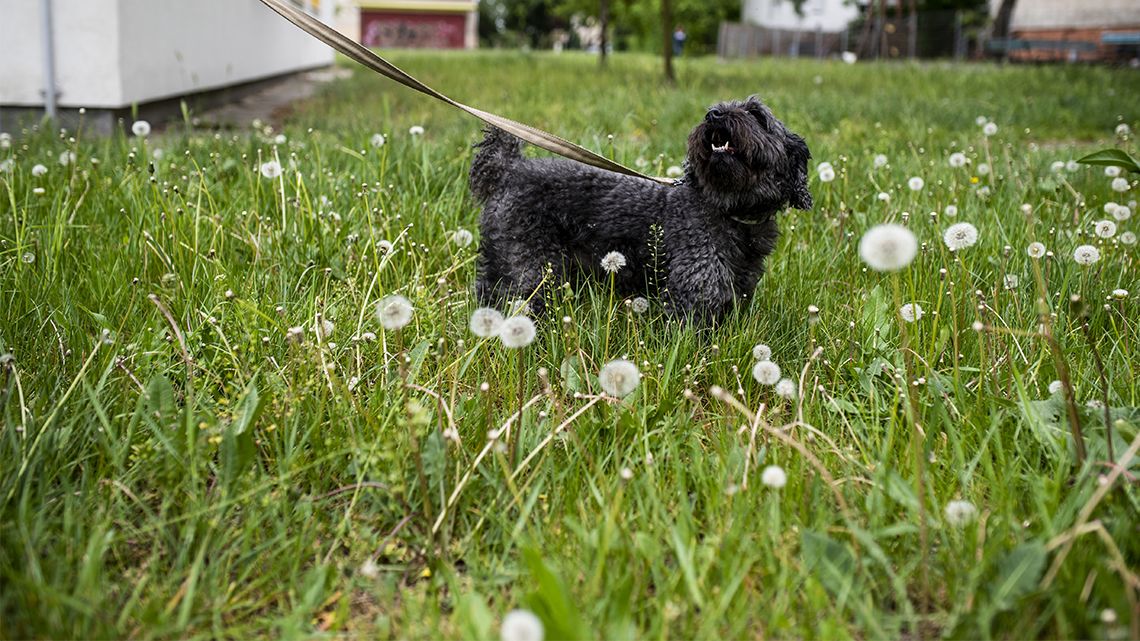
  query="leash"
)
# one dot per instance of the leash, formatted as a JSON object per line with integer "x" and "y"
{"x": 368, "y": 58}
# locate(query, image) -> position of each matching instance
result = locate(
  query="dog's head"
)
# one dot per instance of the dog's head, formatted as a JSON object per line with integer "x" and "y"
{"x": 744, "y": 160}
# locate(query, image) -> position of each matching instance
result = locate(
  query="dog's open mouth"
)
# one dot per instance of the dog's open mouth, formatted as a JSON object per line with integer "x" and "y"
{"x": 719, "y": 142}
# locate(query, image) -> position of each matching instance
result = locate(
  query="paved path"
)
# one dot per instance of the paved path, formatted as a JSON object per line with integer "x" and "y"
{"x": 269, "y": 103}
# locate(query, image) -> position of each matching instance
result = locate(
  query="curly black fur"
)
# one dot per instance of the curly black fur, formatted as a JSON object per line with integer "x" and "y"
{"x": 700, "y": 244}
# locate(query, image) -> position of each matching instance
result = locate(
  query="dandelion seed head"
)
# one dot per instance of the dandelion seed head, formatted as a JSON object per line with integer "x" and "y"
{"x": 619, "y": 378}
{"x": 516, "y": 331}
{"x": 271, "y": 169}
{"x": 774, "y": 477}
{"x": 826, "y": 174}
{"x": 884, "y": 197}
{"x": 960, "y": 236}
{"x": 324, "y": 328}
{"x": 766, "y": 372}
{"x": 39, "y": 170}
{"x": 639, "y": 305}
{"x": 462, "y": 237}
{"x": 916, "y": 183}
{"x": 394, "y": 312}
{"x": 1105, "y": 228}
{"x": 849, "y": 57}
{"x": 951, "y": 211}
{"x": 674, "y": 172}
{"x": 880, "y": 160}
{"x": 377, "y": 140}
{"x": 1123, "y": 130}
{"x": 1128, "y": 238}
{"x": 888, "y": 247}
{"x": 1011, "y": 281}
{"x": 911, "y": 312}
{"x": 786, "y": 388}
{"x": 369, "y": 569}
{"x": 1120, "y": 185}
{"x": 1120, "y": 294}
{"x": 1122, "y": 213}
{"x": 613, "y": 262}
{"x": 141, "y": 128}
{"x": 1035, "y": 250}
{"x": 415, "y": 130}
{"x": 1086, "y": 255}
{"x": 761, "y": 352}
{"x": 989, "y": 129}
{"x": 960, "y": 513}
{"x": 521, "y": 625}
{"x": 957, "y": 159}
{"x": 485, "y": 322}
{"x": 1112, "y": 171}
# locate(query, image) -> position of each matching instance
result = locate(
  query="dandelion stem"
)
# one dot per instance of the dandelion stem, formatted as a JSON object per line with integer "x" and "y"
{"x": 609, "y": 317}
{"x": 1103, "y": 388}
{"x": 917, "y": 440}
{"x": 517, "y": 432}
{"x": 1046, "y": 332}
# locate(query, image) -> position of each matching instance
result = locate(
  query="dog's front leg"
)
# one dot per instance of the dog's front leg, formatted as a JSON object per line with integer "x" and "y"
{"x": 699, "y": 287}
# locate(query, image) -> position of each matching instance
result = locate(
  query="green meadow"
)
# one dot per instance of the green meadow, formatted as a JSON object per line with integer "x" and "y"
{"x": 205, "y": 432}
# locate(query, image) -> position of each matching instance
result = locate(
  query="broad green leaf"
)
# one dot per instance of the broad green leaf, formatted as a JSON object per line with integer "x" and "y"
{"x": 830, "y": 561}
{"x": 237, "y": 448}
{"x": 1017, "y": 575}
{"x": 472, "y": 616}
{"x": 571, "y": 372}
{"x": 551, "y": 602}
{"x": 1111, "y": 158}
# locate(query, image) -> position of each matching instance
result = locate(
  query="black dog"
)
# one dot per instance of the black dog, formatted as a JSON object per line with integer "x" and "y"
{"x": 702, "y": 242}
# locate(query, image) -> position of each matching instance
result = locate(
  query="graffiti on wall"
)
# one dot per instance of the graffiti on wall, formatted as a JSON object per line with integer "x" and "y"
{"x": 388, "y": 30}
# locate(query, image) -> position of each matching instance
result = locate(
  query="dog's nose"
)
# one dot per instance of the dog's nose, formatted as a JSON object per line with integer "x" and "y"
{"x": 714, "y": 114}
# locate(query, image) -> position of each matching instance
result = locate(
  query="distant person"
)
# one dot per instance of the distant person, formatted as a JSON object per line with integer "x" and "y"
{"x": 678, "y": 40}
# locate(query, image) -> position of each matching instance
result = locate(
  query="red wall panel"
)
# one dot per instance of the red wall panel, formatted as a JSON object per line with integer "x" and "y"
{"x": 393, "y": 29}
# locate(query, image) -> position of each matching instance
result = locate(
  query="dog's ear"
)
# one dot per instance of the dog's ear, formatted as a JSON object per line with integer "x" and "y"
{"x": 796, "y": 186}
{"x": 759, "y": 110}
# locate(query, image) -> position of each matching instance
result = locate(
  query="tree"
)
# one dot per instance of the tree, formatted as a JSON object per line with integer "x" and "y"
{"x": 667, "y": 39}
{"x": 1004, "y": 18}
{"x": 604, "y": 20}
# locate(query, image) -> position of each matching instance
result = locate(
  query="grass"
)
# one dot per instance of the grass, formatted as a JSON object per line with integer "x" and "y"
{"x": 175, "y": 467}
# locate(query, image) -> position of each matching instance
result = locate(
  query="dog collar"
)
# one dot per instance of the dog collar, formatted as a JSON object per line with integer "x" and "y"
{"x": 746, "y": 222}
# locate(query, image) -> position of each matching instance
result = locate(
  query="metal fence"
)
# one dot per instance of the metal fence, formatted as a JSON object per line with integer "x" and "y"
{"x": 927, "y": 34}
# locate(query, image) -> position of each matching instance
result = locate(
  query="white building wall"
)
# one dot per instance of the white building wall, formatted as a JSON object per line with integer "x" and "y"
{"x": 825, "y": 15}
{"x": 114, "y": 53}
{"x": 1074, "y": 14}
{"x": 86, "y": 56}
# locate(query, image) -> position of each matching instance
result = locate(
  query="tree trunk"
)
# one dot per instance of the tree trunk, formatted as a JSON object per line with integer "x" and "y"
{"x": 1004, "y": 18}
{"x": 604, "y": 18}
{"x": 667, "y": 39}
{"x": 865, "y": 37}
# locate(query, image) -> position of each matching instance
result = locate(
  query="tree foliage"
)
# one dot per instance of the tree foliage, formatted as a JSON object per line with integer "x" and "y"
{"x": 636, "y": 24}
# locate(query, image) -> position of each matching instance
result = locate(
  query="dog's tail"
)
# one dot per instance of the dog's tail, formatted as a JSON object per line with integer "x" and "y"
{"x": 494, "y": 157}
